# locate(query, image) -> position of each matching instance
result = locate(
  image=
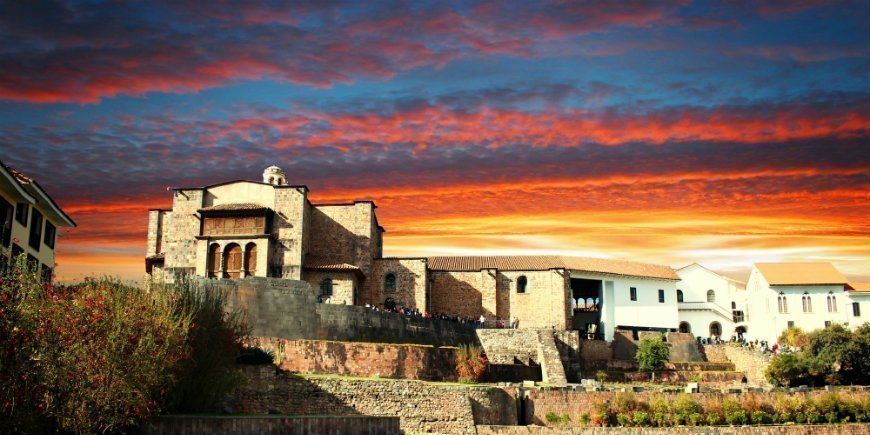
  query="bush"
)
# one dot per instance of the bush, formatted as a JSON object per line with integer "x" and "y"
{"x": 624, "y": 403}
{"x": 641, "y": 418}
{"x": 651, "y": 355}
{"x": 686, "y": 405}
{"x": 551, "y": 417}
{"x": 713, "y": 419}
{"x": 622, "y": 419}
{"x": 601, "y": 376}
{"x": 737, "y": 418}
{"x": 760, "y": 417}
{"x": 661, "y": 419}
{"x": 787, "y": 369}
{"x": 585, "y": 419}
{"x": 470, "y": 363}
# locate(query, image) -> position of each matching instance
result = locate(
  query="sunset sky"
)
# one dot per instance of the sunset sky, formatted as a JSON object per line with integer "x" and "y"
{"x": 724, "y": 133}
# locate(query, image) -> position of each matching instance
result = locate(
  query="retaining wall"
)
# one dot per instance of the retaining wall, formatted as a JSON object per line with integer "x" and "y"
{"x": 270, "y": 425}
{"x": 751, "y": 362}
{"x": 283, "y": 308}
{"x": 421, "y": 407}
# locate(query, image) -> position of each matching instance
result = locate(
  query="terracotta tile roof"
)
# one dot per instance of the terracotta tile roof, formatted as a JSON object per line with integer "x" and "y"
{"x": 620, "y": 267}
{"x": 800, "y": 273}
{"x": 319, "y": 263}
{"x": 859, "y": 286}
{"x": 234, "y": 207}
{"x": 547, "y": 262}
{"x": 500, "y": 262}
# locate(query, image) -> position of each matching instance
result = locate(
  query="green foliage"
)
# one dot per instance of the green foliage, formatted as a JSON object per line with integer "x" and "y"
{"x": 652, "y": 354}
{"x": 585, "y": 419}
{"x": 697, "y": 377}
{"x": 601, "y": 376}
{"x": 551, "y": 417}
{"x": 470, "y": 363}
{"x": 661, "y": 419}
{"x": 565, "y": 419}
{"x": 623, "y": 403}
{"x": 787, "y": 369}
{"x": 686, "y": 405}
{"x": 695, "y": 418}
{"x": 794, "y": 337}
{"x": 713, "y": 419}
{"x": 216, "y": 339}
{"x": 101, "y": 353}
{"x": 622, "y": 419}
{"x": 833, "y": 355}
{"x": 641, "y": 418}
{"x": 760, "y": 417}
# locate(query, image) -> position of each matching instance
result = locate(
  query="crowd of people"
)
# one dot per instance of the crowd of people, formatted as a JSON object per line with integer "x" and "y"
{"x": 760, "y": 345}
{"x": 479, "y": 323}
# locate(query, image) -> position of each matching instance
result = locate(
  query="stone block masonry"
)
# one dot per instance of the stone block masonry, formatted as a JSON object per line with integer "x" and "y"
{"x": 271, "y": 425}
{"x": 363, "y": 359}
{"x": 421, "y": 407}
{"x": 288, "y": 309}
{"x": 751, "y": 362}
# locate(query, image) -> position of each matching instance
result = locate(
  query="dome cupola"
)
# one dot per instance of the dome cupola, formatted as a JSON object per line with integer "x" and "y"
{"x": 274, "y": 176}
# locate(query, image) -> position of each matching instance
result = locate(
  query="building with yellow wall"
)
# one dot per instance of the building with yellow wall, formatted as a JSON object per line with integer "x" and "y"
{"x": 29, "y": 221}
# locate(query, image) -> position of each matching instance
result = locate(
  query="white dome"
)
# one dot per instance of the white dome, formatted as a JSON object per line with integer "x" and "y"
{"x": 274, "y": 176}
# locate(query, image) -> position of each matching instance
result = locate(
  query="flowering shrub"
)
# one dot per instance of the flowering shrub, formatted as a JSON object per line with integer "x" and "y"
{"x": 470, "y": 363}
{"x": 101, "y": 356}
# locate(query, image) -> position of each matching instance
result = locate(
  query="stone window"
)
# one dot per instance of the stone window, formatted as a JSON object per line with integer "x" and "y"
{"x": 250, "y": 259}
{"x": 733, "y": 305}
{"x": 782, "y": 303}
{"x": 711, "y": 296}
{"x": 21, "y": 213}
{"x": 326, "y": 287}
{"x": 35, "y": 230}
{"x": 715, "y": 329}
{"x": 679, "y": 295}
{"x": 807, "y": 303}
{"x": 661, "y": 296}
{"x": 632, "y": 293}
{"x": 856, "y": 309}
{"x": 390, "y": 282}
{"x": 233, "y": 225}
{"x": 522, "y": 282}
{"x": 832, "y": 303}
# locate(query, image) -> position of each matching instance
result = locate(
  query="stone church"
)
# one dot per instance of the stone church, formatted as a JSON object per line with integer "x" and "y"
{"x": 270, "y": 229}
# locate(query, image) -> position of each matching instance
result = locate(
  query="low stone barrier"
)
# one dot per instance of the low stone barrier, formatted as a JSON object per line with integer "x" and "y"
{"x": 271, "y": 425}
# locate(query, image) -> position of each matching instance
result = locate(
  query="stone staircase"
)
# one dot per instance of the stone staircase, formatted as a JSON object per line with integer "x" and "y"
{"x": 552, "y": 370}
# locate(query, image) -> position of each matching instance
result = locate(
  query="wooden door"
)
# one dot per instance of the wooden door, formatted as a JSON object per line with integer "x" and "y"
{"x": 234, "y": 261}
{"x": 251, "y": 259}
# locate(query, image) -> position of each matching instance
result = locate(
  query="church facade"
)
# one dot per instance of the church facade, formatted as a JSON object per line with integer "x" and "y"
{"x": 270, "y": 229}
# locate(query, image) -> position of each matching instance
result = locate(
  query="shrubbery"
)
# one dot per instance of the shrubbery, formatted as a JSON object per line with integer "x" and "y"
{"x": 833, "y": 355}
{"x": 470, "y": 363}
{"x": 652, "y": 354}
{"x": 624, "y": 409}
{"x": 101, "y": 356}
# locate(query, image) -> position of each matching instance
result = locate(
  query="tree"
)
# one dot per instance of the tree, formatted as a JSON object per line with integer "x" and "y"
{"x": 652, "y": 353}
{"x": 826, "y": 349}
{"x": 855, "y": 362}
{"x": 787, "y": 369}
{"x": 470, "y": 363}
{"x": 794, "y": 337}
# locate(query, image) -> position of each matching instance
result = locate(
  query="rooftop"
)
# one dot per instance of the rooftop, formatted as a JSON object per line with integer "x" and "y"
{"x": 547, "y": 262}
{"x": 801, "y": 273}
{"x": 859, "y": 287}
{"x": 234, "y": 207}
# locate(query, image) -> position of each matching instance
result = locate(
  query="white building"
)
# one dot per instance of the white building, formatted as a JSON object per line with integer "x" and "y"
{"x": 710, "y": 304}
{"x": 807, "y": 295}
{"x": 857, "y": 304}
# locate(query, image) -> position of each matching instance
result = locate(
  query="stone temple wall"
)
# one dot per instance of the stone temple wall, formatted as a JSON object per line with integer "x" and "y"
{"x": 288, "y": 309}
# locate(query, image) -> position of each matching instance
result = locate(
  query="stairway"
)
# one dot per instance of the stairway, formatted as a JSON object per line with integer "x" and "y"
{"x": 552, "y": 370}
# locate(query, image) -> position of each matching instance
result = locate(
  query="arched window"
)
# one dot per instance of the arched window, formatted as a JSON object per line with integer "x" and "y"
{"x": 213, "y": 260}
{"x": 733, "y": 305}
{"x": 521, "y": 284}
{"x": 832, "y": 303}
{"x": 715, "y": 329}
{"x": 326, "y": 287}
{"x": 807, "y": 303}
{"x": 390, "y": 282}
{"x": 271, "y": 180}
{"x": 782, "y": 303}
{"x": 679, "y": 295}
{"x": 233, "y": 261}
{"x": 250, "y": 259}
{"x": 711, "y": 296}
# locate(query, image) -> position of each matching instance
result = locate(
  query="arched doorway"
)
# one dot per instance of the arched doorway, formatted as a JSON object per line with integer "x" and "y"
{"x": 715, "y": 329}
{"x": 390, "y": 303}
{"x": 250, "y": 259}
{"x": 685, "y": 328}
{"x": 213, "y": 260}
{"x": 233, "y": 261}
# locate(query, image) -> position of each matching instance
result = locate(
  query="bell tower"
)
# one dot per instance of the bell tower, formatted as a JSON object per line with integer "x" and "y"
{"x": 274, "y": 176}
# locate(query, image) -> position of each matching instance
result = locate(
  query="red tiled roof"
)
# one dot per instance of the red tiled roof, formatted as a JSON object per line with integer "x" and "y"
{"x": 500, "y": 262}
{"x": 620, "y": 267}
{"x": 318, "y": 263}
{"x": 547, "y": 262}
{"x": 859, "y": 287}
